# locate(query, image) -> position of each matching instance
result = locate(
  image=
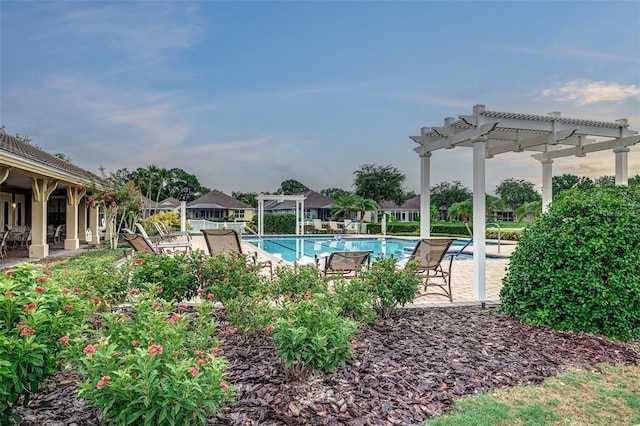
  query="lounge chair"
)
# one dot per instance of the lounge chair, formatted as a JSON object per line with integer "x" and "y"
{"x": 333, "y": 227}
{"x": 59, "y": 234}
{"x": 3, "y": 244}
{"x": 317, "y": 227}
{"x": 344, "y": 264}
{"x": 430, "y": 253}
{"x": 168, "y": 235}
{"x": 227, "y": 241}
{"x": 139, "y": 244}
{"x": 163, "y": 245}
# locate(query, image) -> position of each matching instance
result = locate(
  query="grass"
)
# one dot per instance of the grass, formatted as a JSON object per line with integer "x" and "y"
{"x": 610, "y": 396}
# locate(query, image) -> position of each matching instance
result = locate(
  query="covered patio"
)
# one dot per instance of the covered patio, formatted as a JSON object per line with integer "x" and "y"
{"x": 491, "y": 133}
{"x": 38, "y": 193}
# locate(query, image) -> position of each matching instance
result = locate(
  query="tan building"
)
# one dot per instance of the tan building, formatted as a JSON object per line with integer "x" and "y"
{"x": 39, "y": 192}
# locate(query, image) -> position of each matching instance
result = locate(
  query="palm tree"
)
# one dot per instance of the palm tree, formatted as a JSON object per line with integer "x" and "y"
{"x": 462, "y": 210}
{"x": 163, "y": 175}
{"x": 533, "y": 208}
{"x": 364, "y": 205}
{"x": 343, "y": 204}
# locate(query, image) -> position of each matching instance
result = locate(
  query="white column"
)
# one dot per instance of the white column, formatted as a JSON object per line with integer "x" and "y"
{"x": 183, "y": 216}
{"x": 479, "y": 212}
{"x": 547, "y": 184}
{"x": 622, "y": 169}
{"x": 425, "y": 195}
{"x": 93, "y": 226}
{"x": 302, "y": 217}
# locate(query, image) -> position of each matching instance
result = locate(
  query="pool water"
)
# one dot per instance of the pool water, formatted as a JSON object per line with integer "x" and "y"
{"x": 303, "y": 249}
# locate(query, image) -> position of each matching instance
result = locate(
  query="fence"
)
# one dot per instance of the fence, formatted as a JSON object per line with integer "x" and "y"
{"x": 195, "y": 225}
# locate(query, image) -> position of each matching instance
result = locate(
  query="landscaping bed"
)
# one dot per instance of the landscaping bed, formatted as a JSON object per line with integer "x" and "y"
{"x": 407, "y": 369}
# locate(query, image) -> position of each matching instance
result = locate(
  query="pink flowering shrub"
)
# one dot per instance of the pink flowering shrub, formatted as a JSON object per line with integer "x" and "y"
{"x": 228, "y": 276}
{"x": 37, "y": 318}
{"x": 151, "y": 365}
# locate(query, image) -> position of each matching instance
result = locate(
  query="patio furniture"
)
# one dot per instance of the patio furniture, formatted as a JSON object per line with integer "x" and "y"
{"x": 227, "y": 241}
{"x": 429, "y": 253}
{"x": 344, "y": 264}
{"x": 333, "y": 227}
{"x": 317, "y": 227}
{"x": 166, "y": 234}
{"x": 3, "y": 244}
{"x": 59, "y": 234}
{"x": 142, "y": 244}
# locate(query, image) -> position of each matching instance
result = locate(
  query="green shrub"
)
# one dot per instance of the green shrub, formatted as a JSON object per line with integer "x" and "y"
{"x": 391, "y": 288}
{"x": 279, "y": 223}
{"x": 577, "y": 267}
{"x": 227, "y": 276}
{"x": 505, "y": 234}
{"x": 176, "y": 274}
{"x": 298, "y": 281}
{"x": 37, "y": 319}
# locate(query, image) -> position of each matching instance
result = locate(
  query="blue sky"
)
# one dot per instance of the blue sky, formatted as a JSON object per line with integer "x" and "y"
{"x": 246, "y": 95}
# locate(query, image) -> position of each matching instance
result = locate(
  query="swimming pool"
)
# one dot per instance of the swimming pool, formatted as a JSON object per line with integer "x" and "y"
{"x": 303, "y": 249}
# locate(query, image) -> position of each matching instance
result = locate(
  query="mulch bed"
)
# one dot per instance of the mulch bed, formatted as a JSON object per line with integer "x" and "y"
{"x": 407, "y": 369}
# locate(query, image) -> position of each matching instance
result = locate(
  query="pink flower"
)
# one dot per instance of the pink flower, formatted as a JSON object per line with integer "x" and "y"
{"x": 65, "y": 290}
{"x": 89, "y": 349}
{"x": 27, "y": 331}
{"x": 198, "y": 352}
{"x": 173, "y": 319}
{"x": 21, "y": 324}
{"x": 270, "y": 329}
{"x": 182, "y": 308}
{"x": 194, "y": 371}
{"x": 133, "y": 292}
{"x": 210, "y": 296}
{"x": 39, "y": 289}
{"x": 200, "y": 361}
{"x": 134, "y": 342}
{"x": 159, "y": 289}
{"x": 229, "y": 331}
{"x": 215, "y": 350}
{"x": 9, "y": 293}
{"x": 77, "y": 289}
{"x": 64, "y": 340}
{"x": 103, "y": 381}
{"x": 28, "y": 307}
{"x": 47, "y": 272}
{"x": 354, "y": 342}
{"x": 42, "y": 279}
{"x": 139, "y": 261}
{"x": 157, "y": 305}
{"x": 67, "y": 308}
{"x": 224, "y": 386}
{"x": 155, "y": 349}
{"x": 96, "y": 299}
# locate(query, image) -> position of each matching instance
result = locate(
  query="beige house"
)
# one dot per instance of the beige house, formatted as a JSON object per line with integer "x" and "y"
{"x": 217, "y": 205}
{"x": 39, "y": 191}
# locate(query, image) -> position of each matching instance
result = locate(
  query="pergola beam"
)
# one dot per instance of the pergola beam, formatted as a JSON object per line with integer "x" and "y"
{"x": 581, "y": 151}
{"x": 522, "y": 145}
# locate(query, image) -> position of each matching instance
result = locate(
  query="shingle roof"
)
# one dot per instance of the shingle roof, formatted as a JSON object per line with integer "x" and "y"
{"x": 216, "y": 199}
{"x": 313, "y": 200}
{"x": 12, "y": 145}
{"x": 410, "y": 204}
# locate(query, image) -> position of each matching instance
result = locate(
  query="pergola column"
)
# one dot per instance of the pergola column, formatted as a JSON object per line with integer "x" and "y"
{"x": 479, "y": 212}
{"x": 74, "y": 196}
{"x": 425, "y": 195}
{"x": 547, "y": 183}
{"x": 41, "y": 190}
{"x": 622, "y": 169}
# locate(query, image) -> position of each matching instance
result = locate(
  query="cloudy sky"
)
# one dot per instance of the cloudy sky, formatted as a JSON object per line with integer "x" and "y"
{"x": 246, "y": 95}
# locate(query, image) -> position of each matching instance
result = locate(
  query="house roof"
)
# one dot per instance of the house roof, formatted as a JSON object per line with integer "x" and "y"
{"x": 13, "y": 147}
{"x": 410, "y": 204}
{"x": 217, "y": 200}
{"x": 313, "y": 200}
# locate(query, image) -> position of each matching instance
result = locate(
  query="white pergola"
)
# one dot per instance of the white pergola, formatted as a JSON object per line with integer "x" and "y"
{"x": 299, "y": 199}
{"x": 490, "y": 133}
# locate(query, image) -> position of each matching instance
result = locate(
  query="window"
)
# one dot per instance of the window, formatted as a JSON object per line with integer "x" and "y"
{"x": 239, "y": 214}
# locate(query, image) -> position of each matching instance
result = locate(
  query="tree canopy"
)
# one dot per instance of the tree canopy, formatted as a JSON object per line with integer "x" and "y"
{"x": 291, "y": 187}
{"x": 250, "y": 198}
{"x": 516, "y": 192}
{"x": 567, "y": 181}
{"x": 158, "y": 184}
{"x": 380, "y": 183}
{"x": 446, "y": 194}
{"x": 334, "y": 192}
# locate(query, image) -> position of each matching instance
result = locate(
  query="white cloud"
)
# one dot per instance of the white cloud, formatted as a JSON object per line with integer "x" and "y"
{"x": 587, "y": 92}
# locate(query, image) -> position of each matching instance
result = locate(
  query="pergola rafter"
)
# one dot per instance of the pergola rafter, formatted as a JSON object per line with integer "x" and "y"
{"x": 491, "y": 133}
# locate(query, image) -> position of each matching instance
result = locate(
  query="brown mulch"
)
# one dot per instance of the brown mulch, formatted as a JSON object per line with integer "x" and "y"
{"x": 407, "y": 369}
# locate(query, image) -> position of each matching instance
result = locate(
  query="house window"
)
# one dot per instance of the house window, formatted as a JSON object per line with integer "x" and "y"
{"x": 239, "y": 214}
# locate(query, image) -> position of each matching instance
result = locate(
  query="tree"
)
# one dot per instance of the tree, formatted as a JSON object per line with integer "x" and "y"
{"x": 250, "y": 198}
{"x": 343, "y": 205}
{"x": 493, "y": 204}
{"x": 517, "y": 192}
{"x": 445, "y": 194}
{"x": 567, "y": 181}
{"x": 634, "y": 180}
{"x": 534, "y": 208}
{"x": 462, "y": 210}
{"x": 163, "y": 176}
{"x": 364, "y": 205}
{"x": 334, "y": 192}
{"x": 291, "y": 187}
{"x": 179, "y": 184}
{"x": 380, "y": 183}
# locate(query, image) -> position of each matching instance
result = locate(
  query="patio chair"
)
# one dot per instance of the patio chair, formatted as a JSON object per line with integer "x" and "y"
{"x": 59, "y": 234}
{"x": 430, "y": 253}
{"x": 3, "y": 244}
{"x": 163, "y": 244}
{"x": 166, "y": 234}
{"x": 317, "y": 227}
{"x": 138, "y": 243}
{"x": 227, "y": 241}
{"x": 333, "y": 227}
{"x": 344, "y": 264}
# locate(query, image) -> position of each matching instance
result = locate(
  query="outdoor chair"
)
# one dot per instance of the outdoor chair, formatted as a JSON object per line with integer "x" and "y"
{"x": 430, "y": 253}
{"x": 138, "y": 243}
{"x": 166, "y": 234}
{"x": 333, "y": 227}
{"x": 346, "y": 264}
{"x": 317, "y": 227}
{"x": 163, "y": 244}
{"x": 59, "y": 234}
{"x": 227, "y": 241}
{"x": 3, "y": 244}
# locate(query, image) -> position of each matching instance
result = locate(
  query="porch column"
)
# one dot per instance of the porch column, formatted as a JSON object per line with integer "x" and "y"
{"x": 622, "y": 169}
{"x": 82, "y": 220}
{"x": 4, "y": 173}
{"x": 547, "y": 184}
{"x": 41, "y": 190}
{"x": 93, "y": 226}
{"x": 74, "y": 196}
{"x": 425, "y": 195}
{"x": 479, "y": 212}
